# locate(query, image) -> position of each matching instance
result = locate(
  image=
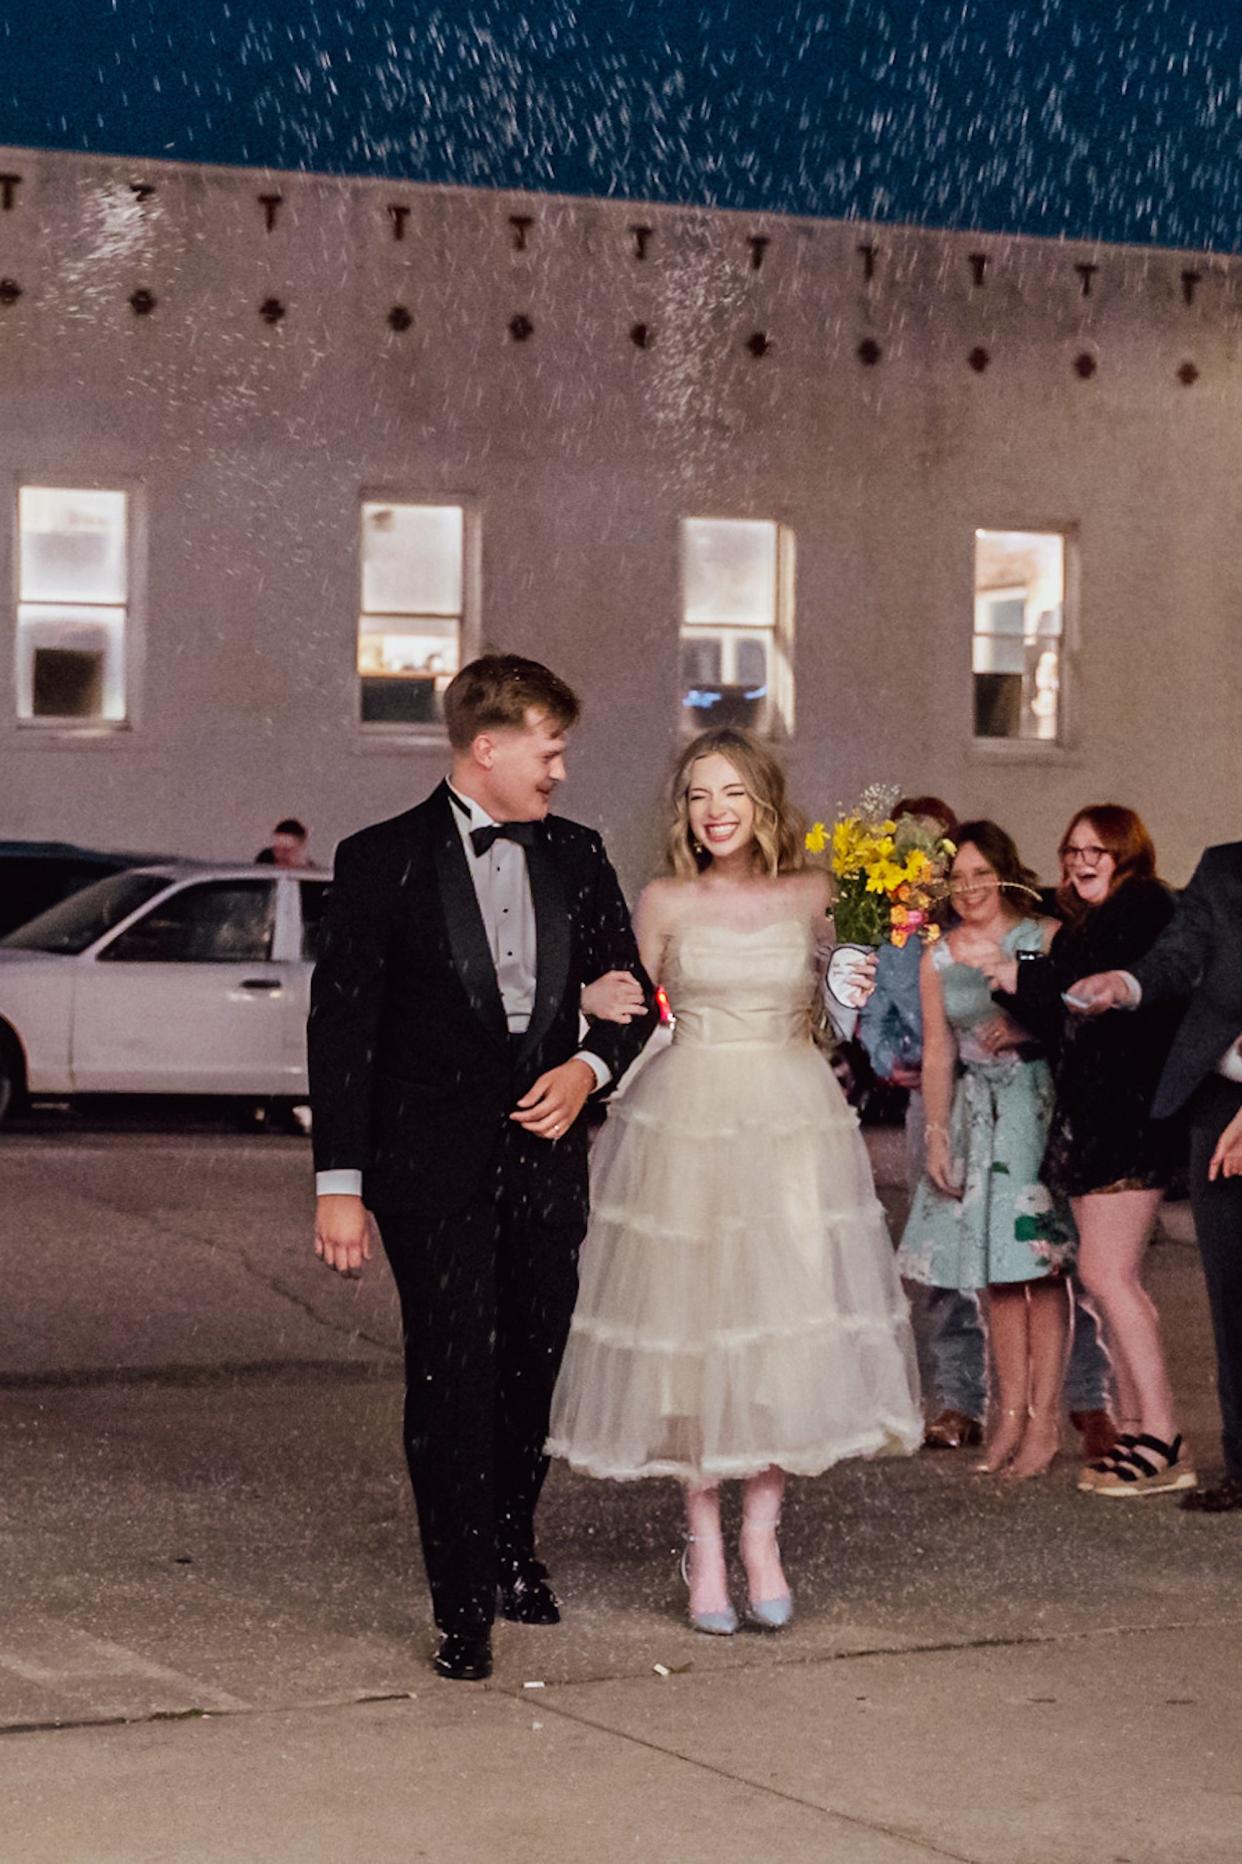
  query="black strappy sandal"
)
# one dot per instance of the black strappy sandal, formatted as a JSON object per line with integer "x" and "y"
{"x": 1147, "y": 1466}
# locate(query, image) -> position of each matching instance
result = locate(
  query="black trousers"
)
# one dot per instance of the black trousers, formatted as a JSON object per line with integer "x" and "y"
{"x": 486, "y": 1300}
{"x": 1218, "y": 1225}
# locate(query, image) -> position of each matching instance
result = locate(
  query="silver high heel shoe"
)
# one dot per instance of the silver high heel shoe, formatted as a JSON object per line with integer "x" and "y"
{"x": 767, "y": 1614}
{"x": 713, "y": 1624}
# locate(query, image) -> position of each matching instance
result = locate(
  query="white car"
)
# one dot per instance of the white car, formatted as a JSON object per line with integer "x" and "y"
{"x": 180, "y": 978}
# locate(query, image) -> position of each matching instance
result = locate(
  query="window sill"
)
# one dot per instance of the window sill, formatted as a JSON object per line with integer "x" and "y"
{"x": 56, "y": 736}
{"x": 1025, "y": 751}
{"x": 371, "y": 739}
{"x": 777, "y": 737}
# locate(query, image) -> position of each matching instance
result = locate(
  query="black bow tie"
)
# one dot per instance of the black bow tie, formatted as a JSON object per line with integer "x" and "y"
{"x": 481, "y": 839}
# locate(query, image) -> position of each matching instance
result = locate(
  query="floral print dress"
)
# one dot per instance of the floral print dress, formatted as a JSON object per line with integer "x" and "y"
{"x": 1006, "y": 1226}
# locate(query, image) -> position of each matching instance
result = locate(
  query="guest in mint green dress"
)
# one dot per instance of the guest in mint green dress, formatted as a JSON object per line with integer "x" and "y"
{"x": 1006, "y": 1226}
{"x": 981, "y": 1218}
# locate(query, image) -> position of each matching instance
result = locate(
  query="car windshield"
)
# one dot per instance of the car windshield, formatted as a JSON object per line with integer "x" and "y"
{"x": 84, "y": 917}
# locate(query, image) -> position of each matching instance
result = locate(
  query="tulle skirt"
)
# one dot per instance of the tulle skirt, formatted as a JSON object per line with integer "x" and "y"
{"x": 739, "y": 1303}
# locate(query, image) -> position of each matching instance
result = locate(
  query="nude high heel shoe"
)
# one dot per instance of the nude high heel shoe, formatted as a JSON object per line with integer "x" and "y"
{"x": 1041, "y": 1444}
{"x": 1003, "y": 1442}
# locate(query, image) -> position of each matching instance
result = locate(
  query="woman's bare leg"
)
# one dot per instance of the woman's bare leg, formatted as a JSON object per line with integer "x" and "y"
{"x": 1006, "y": 1313}
{"x": 1048, "y": 1321}
{"x": 705, "y": 1565}
{"x": 1114, "y": 1228}
{"x": 761, "y": 1556}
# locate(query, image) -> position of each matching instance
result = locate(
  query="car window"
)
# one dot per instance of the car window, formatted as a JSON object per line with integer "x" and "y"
{"x": 212, "y": 922}
{"x": 32, "y": 884}
{"x": 82, "y": 919}
{"x": 312, "y": 894}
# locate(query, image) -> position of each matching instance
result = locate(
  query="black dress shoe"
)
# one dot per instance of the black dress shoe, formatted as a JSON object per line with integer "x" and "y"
{"x": 1221, "y": 1498}
{"x": 526, "y": 1598}
{"x": 464, "y": 1657}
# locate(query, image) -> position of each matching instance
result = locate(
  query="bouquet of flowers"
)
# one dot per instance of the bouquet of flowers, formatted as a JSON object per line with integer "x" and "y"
{"x": 889, "y": 873}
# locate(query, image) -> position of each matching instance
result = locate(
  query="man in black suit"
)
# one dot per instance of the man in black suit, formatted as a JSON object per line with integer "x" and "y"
{"x": 448, "y": 1085}
{"x": 1199, "y": 955}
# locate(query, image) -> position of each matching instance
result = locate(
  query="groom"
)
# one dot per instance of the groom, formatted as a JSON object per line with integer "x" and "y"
{"x": 448, "y": 1085}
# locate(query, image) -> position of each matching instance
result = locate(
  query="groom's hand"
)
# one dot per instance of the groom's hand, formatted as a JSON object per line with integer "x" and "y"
{"x": 556, "y": 1100}
{"x": 342, "y": 1233}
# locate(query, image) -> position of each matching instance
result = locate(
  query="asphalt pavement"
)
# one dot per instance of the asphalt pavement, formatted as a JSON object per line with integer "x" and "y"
{"x": 214, "y": 1638}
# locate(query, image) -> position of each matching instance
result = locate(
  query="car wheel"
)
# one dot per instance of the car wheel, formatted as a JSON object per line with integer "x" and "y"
{"x": 12, "y": 1077}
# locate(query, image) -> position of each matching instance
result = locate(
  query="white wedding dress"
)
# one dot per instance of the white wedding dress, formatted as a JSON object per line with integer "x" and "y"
{"x": 739, "y": 1303}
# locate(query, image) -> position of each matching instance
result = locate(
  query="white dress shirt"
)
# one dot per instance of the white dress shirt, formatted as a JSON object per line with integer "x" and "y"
{"x": 502, "y": 888}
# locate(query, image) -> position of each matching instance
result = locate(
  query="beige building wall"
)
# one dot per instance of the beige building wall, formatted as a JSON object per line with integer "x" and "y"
{"x": 248, "y": 446}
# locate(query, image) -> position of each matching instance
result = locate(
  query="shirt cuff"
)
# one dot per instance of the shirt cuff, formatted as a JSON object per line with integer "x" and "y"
{"x": 340, "y": 1183}
{"x": 600, "y": 1069}
{"x": 1134, "y": 987}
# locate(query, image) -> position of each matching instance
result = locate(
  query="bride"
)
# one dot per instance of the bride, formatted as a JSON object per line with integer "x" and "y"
{"x": 740, "y": 1315}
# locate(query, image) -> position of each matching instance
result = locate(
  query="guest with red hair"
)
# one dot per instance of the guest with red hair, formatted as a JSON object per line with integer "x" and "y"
{"x": 1105, "y": 1153}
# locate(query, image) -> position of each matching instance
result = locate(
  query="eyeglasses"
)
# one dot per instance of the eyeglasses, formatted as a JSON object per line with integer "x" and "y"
{"x": 1091, "y": 854}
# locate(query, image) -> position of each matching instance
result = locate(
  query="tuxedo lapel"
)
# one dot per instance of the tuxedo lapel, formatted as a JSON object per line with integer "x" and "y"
{"x": 467, "y": 935}
{"x": 552, "y": 933}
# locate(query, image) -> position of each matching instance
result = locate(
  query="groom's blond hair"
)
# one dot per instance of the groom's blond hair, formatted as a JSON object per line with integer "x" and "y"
{"x": 496, "y": 692}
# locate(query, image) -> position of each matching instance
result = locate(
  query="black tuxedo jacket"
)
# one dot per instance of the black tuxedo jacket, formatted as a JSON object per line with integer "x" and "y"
{"x": 413, "y": 1072}
{"x": 1200, "y": 957}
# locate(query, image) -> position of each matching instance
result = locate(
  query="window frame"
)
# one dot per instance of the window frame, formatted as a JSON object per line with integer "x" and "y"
{"x": 65, "y": 730}
{"x": 296, "y": 886}
{"x": 429, "y": 730}
{"x": 781, "y": 721}
{"x": 1064, "y": 746}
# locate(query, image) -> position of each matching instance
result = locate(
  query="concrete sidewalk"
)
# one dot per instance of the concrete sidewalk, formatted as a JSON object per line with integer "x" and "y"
{"x": 214, "y": 1638}
{"x": 968, "y": 1754}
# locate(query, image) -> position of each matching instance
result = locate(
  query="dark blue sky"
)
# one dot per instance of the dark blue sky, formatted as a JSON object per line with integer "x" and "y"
{"x": 1079, "y": 117}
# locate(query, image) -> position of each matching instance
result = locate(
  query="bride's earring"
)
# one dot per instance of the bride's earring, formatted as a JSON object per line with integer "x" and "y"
{"x": 697, "y": 846}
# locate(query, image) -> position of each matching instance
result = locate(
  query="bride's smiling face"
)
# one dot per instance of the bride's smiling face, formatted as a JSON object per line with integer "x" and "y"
{"x": 721, "y": 809}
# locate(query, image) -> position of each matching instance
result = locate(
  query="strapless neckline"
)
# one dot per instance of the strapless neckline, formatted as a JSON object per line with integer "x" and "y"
{"x": 707, "y": 925}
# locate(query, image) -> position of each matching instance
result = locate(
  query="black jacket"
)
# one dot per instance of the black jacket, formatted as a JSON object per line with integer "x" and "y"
{"x": 1199, "y": 956}
{"x": 1107, "y": 1067}
{"x": 413, "y": 1073}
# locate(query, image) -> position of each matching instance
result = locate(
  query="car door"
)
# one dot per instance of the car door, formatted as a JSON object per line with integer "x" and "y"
{"x": 186, "y": 999}
{"x": 308, "y": 895}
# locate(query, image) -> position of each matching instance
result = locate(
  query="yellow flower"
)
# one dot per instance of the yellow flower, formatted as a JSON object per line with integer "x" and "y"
{"x": 815, "y": 838}
{"x": 883, "y": 876}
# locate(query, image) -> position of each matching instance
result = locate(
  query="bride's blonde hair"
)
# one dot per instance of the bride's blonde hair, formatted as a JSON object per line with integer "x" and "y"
{"x": 779, "y": 844}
